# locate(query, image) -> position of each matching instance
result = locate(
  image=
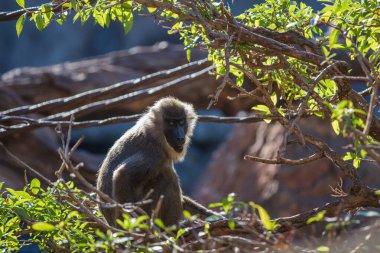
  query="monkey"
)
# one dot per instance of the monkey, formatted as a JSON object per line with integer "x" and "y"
{"x": 142, "y": 162}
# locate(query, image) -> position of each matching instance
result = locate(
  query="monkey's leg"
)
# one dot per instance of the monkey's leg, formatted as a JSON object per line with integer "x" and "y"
{"x": 196, "y": 208}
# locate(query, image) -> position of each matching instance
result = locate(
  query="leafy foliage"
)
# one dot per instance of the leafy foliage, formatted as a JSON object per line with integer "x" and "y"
{"x": 53, "y": 221}
{"x": 46, "y": 217}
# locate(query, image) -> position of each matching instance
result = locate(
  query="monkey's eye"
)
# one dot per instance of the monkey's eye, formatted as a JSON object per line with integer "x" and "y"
{"x": 171, "y": 123}
{"x": 182, "y": 122}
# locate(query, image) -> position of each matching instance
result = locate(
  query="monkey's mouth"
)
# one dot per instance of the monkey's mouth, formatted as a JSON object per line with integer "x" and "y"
{"x": 178, "y": 148}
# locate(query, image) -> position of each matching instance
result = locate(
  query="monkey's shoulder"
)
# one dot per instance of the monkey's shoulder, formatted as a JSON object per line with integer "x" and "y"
{"x": 138, "y": 144}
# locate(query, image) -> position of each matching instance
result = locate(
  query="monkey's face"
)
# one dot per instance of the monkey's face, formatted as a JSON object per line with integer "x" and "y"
{"x": 175, "y": 129}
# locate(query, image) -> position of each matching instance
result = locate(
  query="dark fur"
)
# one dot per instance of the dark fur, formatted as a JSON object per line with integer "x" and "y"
{"x": 142, "y": 160}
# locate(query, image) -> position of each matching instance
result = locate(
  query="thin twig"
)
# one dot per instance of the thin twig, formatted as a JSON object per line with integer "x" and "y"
{"x": 281, "y": 160}
{"x": 220, "y": 88}
{"x": 37, "y": 123}
{"x": 23, "y": 164}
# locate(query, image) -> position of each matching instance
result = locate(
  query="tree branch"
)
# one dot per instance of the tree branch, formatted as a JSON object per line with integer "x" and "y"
{"x": 107, "y": 92}
{"x": 281, "y": 160}
{"x": 37, "y": 123}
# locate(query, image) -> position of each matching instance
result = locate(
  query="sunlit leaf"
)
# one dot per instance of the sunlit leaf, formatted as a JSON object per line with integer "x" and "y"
{"x": 159, "y": 223}
{"x": 264, "y": 217}
{"x": 335, "y": 126}
{"x": 181, "y": 232}
{"x": 334, "y": 36}
{"x": 316, "y": 218}
{"x": 188, "y": 55}
{"x": 35, "y": 185}
{"x": 20, "y": 24}
{"x": 39, "y": 20}
{"x": 43, "y": 226}
{"x": 19, "y": 194}
{"x": 323, "y": 249}
{"x": 231, "y": 224}
{"x": 21, "y": 3}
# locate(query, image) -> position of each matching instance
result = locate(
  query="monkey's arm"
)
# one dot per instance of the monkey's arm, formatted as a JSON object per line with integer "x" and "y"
{"x": 196, "y": 208}
{"x": 126, "y": 177}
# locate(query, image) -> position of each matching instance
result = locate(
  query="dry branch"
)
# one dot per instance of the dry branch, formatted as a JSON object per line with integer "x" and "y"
{"x": 281, "y": 160}
{"x": 366, "y": 197}
{"x": 30, "y": 124}
{"x": 107, "y": 92}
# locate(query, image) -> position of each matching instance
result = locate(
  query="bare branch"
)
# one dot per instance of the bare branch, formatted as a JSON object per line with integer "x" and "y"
{"x": 347, "y": 169}
{"x": 281, "y": 160}
{"x": 372, "y": 106}
{"x": 37, "y": 123}
{"x": 220, "y": 88}
{"x": 23, "y": 164}
{"x": 355, "y": 78}
{"x": 365, "y": 198}
{"x": 106, "y": 92}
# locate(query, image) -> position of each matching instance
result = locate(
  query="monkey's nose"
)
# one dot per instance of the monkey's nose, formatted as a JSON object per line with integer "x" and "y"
{"x": 180, "y": 139}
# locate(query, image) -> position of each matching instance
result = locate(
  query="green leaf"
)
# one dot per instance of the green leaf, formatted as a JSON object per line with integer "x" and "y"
{"x": 47, "y": 11}
{"x": 334, "y": 37}
{"x": 20, "y": 24}
{"x": 127, "y": 21}
{"x": 207, "y": 228}
{"x": 43, "y": 226}
{"x": 338, "y": 46}
{"x": 187, "y": 215}
{"x": 231, "y": 224}
{"x": 152, "y": 9}
{"x": 335, "y": 126}
{"x": 377, "y": 192}
{"x": 19, "y": 194}
{"x": 363, "y": 153}
{"x": 1, "y": 185}
{"x": 348, "y": 156}
{"x": 181, "y": 232}
{"x": 356, "y": 162}
{"x": 21, "y": 3}
{"x": 159, "y": 223}
{"x": 35, "y": 186}
{"x": 39, "y": 21}
{"x": 188, "y": 55}
{"x": 107, "y": 17}
{"x": 261, "y": 108}
{"x": 264, "y": 217}
{"x": 99, "y": 18}
{"x": 21, "y": 212}
{"x": 325, "y": 51}
{"x": 212, "y": 205}
{"x": 316, "y": 218}
{"x": 323, "y": 249}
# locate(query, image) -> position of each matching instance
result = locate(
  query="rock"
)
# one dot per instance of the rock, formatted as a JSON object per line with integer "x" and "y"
{"x": 283, "y": 190}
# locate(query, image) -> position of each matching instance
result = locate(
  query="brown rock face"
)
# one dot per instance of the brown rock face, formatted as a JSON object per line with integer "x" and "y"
{"x": 283, "y": 190}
